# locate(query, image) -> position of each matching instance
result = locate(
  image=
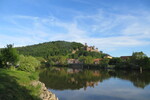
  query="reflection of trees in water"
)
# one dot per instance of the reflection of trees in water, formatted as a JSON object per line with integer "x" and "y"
{"x": 60, "y": 78}
{"x": 140, "y": 80}
{"x": 63, "y": 78}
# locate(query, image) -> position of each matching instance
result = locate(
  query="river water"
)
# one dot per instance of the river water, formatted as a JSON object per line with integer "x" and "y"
{"x": 82, "y": 84}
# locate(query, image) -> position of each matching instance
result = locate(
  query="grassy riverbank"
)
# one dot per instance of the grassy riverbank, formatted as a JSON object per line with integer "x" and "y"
{"x": 16, "y": 85}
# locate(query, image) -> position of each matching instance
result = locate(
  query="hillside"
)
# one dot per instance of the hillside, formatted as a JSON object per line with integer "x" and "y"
{"x": 55, "y": 48}
{"x": 58, "y": 48}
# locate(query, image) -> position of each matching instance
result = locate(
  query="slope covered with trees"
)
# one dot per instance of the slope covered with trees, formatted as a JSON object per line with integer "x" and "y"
{"x": 58, "y": 48}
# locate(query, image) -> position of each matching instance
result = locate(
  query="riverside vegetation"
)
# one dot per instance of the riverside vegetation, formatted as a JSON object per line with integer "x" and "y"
{"x": 19, "y": 66}
{"x": 57, "y": 52}
{"x": 18, "y": 79}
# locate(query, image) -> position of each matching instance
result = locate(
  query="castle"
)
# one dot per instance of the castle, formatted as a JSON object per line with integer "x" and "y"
{"x": 87, "y": 48}
{"x": 90, "y": 48}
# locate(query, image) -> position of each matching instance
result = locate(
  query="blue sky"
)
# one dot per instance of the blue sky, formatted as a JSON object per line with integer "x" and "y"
{"x": 117, "y": 27}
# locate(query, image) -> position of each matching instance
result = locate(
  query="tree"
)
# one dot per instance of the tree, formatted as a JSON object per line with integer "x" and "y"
{"x": 145, "y": 63}
{"x": 86, "y": 60}
{"x": 9, "y": 56}
{"x": 138, "y": 59}
{"x": 28, "y": 63}
{"x": 89, "y": 60}
{"x": 138, "y": 55}
{"x": 0, "y": 60}
{"x": 56, "y": 60}
{"x": 104, "y": 62}
{"x": 115, "y": 61}
{"x": 62, "y": 60}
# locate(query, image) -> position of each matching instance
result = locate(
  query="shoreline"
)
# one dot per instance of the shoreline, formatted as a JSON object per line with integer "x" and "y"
{"x": 45, "y": 94}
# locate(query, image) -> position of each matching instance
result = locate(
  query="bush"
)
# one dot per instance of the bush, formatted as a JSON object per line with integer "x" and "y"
{"x": 28, "y": 63}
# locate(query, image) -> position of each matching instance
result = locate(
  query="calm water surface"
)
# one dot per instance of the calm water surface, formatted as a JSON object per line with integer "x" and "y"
{"x": 78, "y": 84}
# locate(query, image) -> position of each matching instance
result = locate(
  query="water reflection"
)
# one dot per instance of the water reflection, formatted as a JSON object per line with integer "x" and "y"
{"x": 65, "y": 78}
{"x": 79, "y": 84}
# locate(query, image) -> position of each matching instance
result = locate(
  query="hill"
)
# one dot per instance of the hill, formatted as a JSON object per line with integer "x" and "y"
{"x": 58, "y": 48}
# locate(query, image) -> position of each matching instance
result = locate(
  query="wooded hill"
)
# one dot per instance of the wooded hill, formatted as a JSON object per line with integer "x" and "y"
{"x": 58, "y": 48}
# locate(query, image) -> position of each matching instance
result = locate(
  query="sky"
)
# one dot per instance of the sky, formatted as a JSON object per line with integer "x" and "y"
{"x": 116, "y": 27}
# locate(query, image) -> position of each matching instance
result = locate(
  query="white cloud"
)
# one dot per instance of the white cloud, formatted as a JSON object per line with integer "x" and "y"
{"x": 111, "y": 31}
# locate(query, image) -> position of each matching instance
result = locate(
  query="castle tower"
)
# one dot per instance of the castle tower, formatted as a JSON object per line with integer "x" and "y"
{"x": 93, "y": 47}
{"x": 96, "y": 49}
{"x": 85, "y": 44}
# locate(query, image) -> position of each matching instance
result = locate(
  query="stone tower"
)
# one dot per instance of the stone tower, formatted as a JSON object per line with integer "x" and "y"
{"x": 85, "y": 44}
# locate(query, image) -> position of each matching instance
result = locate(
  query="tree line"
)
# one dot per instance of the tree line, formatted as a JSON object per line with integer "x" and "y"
{"x": 136, "y": 61}
{"x": 18, "y": 57}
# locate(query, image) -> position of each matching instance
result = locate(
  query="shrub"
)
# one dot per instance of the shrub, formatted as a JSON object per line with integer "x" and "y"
{"x": 28, "y": 63}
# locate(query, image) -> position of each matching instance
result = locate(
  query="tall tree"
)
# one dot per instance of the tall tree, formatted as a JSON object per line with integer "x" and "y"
{"x": 139, "y": 59}
{"x": 138, "y": 55}
{"x": 9, "y": 56}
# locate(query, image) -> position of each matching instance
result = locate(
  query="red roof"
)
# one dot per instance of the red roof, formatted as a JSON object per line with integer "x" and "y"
{"x": 98, "y": 59}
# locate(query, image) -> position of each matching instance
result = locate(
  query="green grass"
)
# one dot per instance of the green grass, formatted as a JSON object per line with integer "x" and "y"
{"x": 16, "y": 85}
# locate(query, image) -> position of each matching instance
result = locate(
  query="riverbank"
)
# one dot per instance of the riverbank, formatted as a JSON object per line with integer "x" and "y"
{"x": 20, "y": 85}
{"x": 45, "y": 94}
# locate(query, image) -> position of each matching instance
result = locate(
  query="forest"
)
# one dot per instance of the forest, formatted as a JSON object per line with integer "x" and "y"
{"x": 58, "y": 48}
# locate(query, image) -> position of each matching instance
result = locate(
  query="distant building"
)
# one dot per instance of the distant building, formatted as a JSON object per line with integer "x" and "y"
{"x": 125, "y": 57}
{"x": 90, "y": 48}
{"x": 87, "y": 48}
{"x": 73, "y": 61}
{"x": 97, "y": 61}
{"x": 108, "y": 56}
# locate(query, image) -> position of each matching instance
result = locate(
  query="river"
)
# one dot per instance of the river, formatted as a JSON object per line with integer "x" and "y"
{"x": 83, "y": 84}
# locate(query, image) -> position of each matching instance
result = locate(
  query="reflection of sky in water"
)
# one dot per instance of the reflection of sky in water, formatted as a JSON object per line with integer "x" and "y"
{"x": 111, "y": 89}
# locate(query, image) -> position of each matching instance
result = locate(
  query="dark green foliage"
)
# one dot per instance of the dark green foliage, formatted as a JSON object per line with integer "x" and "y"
{"x": 1, "y": 60}
{"x": 138, "y": 55}
{"x": 145, "y": 63}
{"x": 138, "y": 60}
{"x": 57, "y": 48}
{"x": 8, "y": 56}
{"x": 115, "y": 61}
{"x": 104, "y": 62}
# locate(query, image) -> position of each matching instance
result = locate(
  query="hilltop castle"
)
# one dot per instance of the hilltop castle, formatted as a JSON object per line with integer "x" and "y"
{"x": 87, "y": 48}
{"x": 90, "y": 48}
